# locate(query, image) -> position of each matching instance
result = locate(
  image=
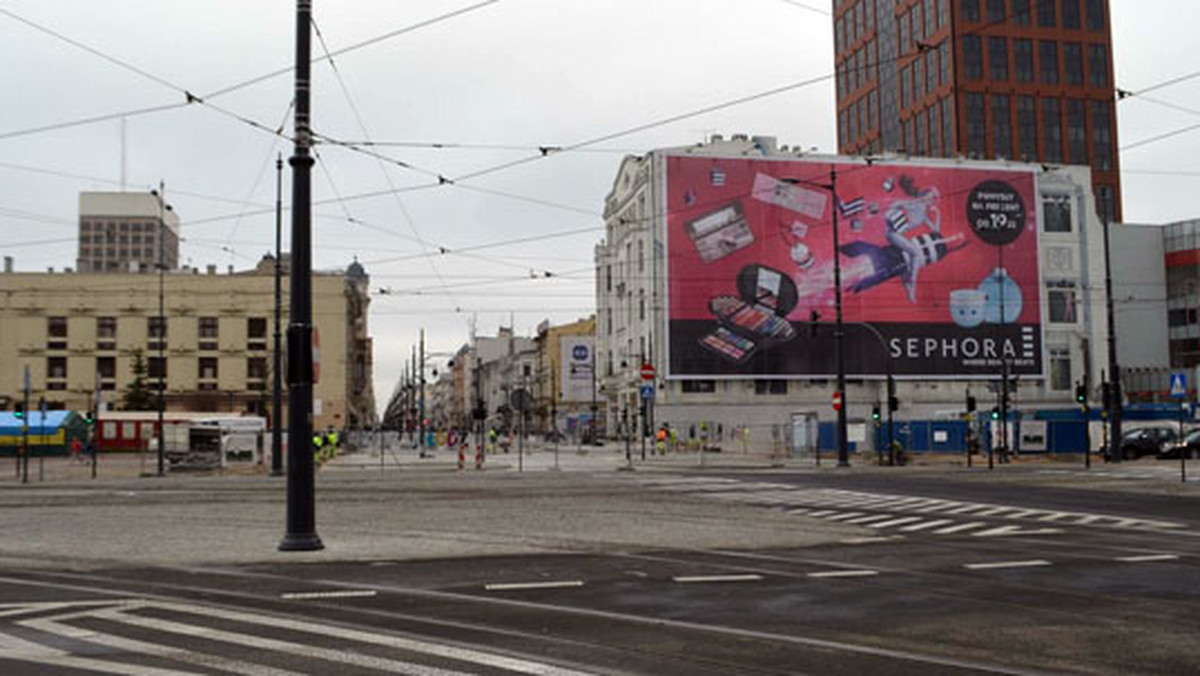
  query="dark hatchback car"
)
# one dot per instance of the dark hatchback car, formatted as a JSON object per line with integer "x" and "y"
{"x": 1146, "y": 441}
{"x": 1189, "y": 447}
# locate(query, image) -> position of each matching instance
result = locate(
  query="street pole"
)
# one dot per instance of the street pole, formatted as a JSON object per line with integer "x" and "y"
{"x": 1183, "y": 450}
{"x": 277, "y": 357}
{"x": 24, "y": 460}
{"x": 840, "y": 334}
{"x": 592, "y": 420}
{"x": 421, "y": 394}
{"x": 301, "y": 532}
{"x": 162, "y": 325}
{"x": 1114, "y": 368}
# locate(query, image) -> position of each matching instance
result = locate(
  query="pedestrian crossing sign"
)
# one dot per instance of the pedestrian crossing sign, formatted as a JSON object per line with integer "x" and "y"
{"x": 1179, "y": 385}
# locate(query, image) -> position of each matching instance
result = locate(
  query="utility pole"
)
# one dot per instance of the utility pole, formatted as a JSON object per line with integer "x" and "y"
{"x": 301, "y": 532}
{"x": 840, "y": 333}
{"x": 421, "y": 384}
{"x": 1114, "y": 368}
{"x": 277, "y": 357}
{"x": 162, "y": 324}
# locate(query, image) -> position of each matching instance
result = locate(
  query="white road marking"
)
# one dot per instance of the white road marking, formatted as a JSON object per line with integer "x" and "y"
{"x": 895, "y": 522}
{"x": 869, "y": 540}
{"x": 1015, "y": 530}
{"x": 845, "y": 515}
{"x": 868, "y": 519}
{"x": 926, "y": 525}
{"x": 341, "y": 594}
{"x": 698, "y": 579}
{"x": 512, "y": 586}
{"x": 960, "y": 527}
{"x": 1007, "y": 564}
{"x": 14, "y": 648}
{"x": 824, "y": 512}
{"x": 386, "y": 640}
{"x": 1147, "y": 558}
{"x": 844, "y": 573}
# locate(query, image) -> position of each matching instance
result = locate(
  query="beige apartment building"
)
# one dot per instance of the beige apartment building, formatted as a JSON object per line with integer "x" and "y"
{"x": 79, "y": 331}
{"x": 126, "y": 232}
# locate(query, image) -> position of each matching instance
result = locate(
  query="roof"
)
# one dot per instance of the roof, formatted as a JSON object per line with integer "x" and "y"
{"x": 54, "y": 419}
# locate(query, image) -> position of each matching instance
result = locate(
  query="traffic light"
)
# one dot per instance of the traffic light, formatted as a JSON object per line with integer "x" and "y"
{"x": 1081, "y": 393}
{"x": 1106, "y": 394}
{"x": 970, "y": 404}
{"x": 995, "y": 413}
{"x": 875, "y": 413}
{"x": 89, "y": 417}
{"x": 19, "y": 410}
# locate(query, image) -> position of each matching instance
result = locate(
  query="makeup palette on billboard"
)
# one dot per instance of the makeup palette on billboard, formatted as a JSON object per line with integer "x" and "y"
{"x": 940, "y": 273}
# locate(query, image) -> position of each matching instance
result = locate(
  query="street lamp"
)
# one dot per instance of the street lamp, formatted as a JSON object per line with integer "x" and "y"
{"x": 839, "y": 330}
{"x": 163, "y": 208}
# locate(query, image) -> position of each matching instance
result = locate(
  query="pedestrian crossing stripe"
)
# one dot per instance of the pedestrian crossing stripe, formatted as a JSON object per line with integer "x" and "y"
{"x": 880, "y": 511}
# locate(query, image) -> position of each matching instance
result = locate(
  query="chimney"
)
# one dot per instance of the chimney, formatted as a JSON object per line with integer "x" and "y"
{"x": 210, "y": 269}
{"x": 8, "y": 264}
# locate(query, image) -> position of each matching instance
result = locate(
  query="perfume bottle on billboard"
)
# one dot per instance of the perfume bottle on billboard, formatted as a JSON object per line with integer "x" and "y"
{"x": 1004, "y": 299}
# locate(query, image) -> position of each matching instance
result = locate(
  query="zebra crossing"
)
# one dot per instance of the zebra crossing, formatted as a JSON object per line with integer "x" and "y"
{"x": 1166, "y": 471}
{"x": 901, "y": 514}
{"x": 143, "y": 637}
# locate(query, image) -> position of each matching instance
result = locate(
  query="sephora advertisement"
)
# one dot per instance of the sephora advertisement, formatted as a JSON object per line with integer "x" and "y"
{"x": 576, "y": 373}
{"x": 939, "y": 269}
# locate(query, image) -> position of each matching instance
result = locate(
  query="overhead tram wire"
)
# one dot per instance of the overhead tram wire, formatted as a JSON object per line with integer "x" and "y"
{"x": 404, "y": 212}
{"x": 261, "y": 172}
{"x": 203, "y": 99}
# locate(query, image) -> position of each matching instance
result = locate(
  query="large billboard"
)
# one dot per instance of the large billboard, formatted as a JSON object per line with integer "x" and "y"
{"x": 577, "y": 360}
{"x": 939, "y": 269}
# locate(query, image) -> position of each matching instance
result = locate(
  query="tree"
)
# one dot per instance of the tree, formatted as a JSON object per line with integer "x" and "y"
{"x": 138, "y": 396}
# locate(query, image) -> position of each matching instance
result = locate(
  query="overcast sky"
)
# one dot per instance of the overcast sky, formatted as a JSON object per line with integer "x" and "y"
{"x": 504, "y": 79}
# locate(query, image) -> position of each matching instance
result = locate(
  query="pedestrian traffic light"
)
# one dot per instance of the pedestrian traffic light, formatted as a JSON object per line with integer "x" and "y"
{"x": 893, "y": 404}
{"x": 995, "y": 413}
{"x": 970, "y": 404}
{"x": 1081, "y": 393}
{"x": 875, "y": 413}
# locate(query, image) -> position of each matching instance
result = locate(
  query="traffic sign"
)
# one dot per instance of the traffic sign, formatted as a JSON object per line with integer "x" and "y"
{"x": 647, "y": 392}
{"x": 837, "y": 401}
{"x": 1179, "y": 385}
{"x": 647, "y": 371}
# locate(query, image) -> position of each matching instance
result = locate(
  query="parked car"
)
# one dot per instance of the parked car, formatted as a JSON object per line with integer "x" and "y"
{"x": 1145, "y": 441}
{"x": 1189, "y": 446}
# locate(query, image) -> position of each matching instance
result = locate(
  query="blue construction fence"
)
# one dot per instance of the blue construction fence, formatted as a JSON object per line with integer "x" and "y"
{"x": 1056, "y": 430}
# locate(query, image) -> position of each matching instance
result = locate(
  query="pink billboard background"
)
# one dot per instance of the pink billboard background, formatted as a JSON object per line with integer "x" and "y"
{"x": 920, "y": 247}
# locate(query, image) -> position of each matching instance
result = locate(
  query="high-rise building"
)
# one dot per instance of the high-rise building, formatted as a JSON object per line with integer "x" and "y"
{"x": 1029, "y": 80}
{"x": 126, "y": 232}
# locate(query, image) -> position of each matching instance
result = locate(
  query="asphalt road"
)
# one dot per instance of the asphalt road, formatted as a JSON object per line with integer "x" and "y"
{"x": 792, "y": 572}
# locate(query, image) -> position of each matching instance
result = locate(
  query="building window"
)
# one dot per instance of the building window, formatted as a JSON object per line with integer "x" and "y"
{"x": 156, "y": 367}
{"x": 1076, "y": 132}
{"x": 1001, "y": 126}
{"x": 921, "y": 132}
{"x": 949, "y": 142}
{"x": 106, "y": 368}
{"x": 1021, "y": 13}
{"x": 973, "y": 56}
{"x": 904, "y": 82}
{"x": 1056, "y": 214}
{"x": 770, "y": 386}
{"x": 970, "y": 10}
{"x": 995, "y": 11}
{"x": 1023, "y": 59}
{"x": 208, "y": 368}
{"x": 1095, "y": 15}
{"x": 1070, "y": 14}
{"x": 699, "y": 386}
{"x": 1046, "y": 15}
{"x": 918, "y": 80}
{"x": 976, "y": 125}
{"x": 1102, "y": 143}
{"x": 1073, "y": 63}
{"x": 156, "y": 328}
{"x": 931, "y": 71}
{"x": 256, "y": 368}
{"x": 1052, "y": 130}
{"x": 1026, "y": 129}
{"x": 56, "y": 327}
{"x": 1048, "y": 61}
{"x": 1060, "y": 369}
{"x": 1062, "y": 304}
{"x": 256, "y": 328}
{"x": 209, "y": 327}
{"x": 998, "y": 58}
{"x": 56, "y": 368}
{"x": 1098, "y": 65}
{"x": 930, "y": 17}
{"x": 935, "y": 132}
{"x": 106, "y": 332}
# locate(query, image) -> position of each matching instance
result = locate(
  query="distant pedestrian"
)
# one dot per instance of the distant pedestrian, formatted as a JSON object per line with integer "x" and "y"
{"x": 77, "y": 450}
